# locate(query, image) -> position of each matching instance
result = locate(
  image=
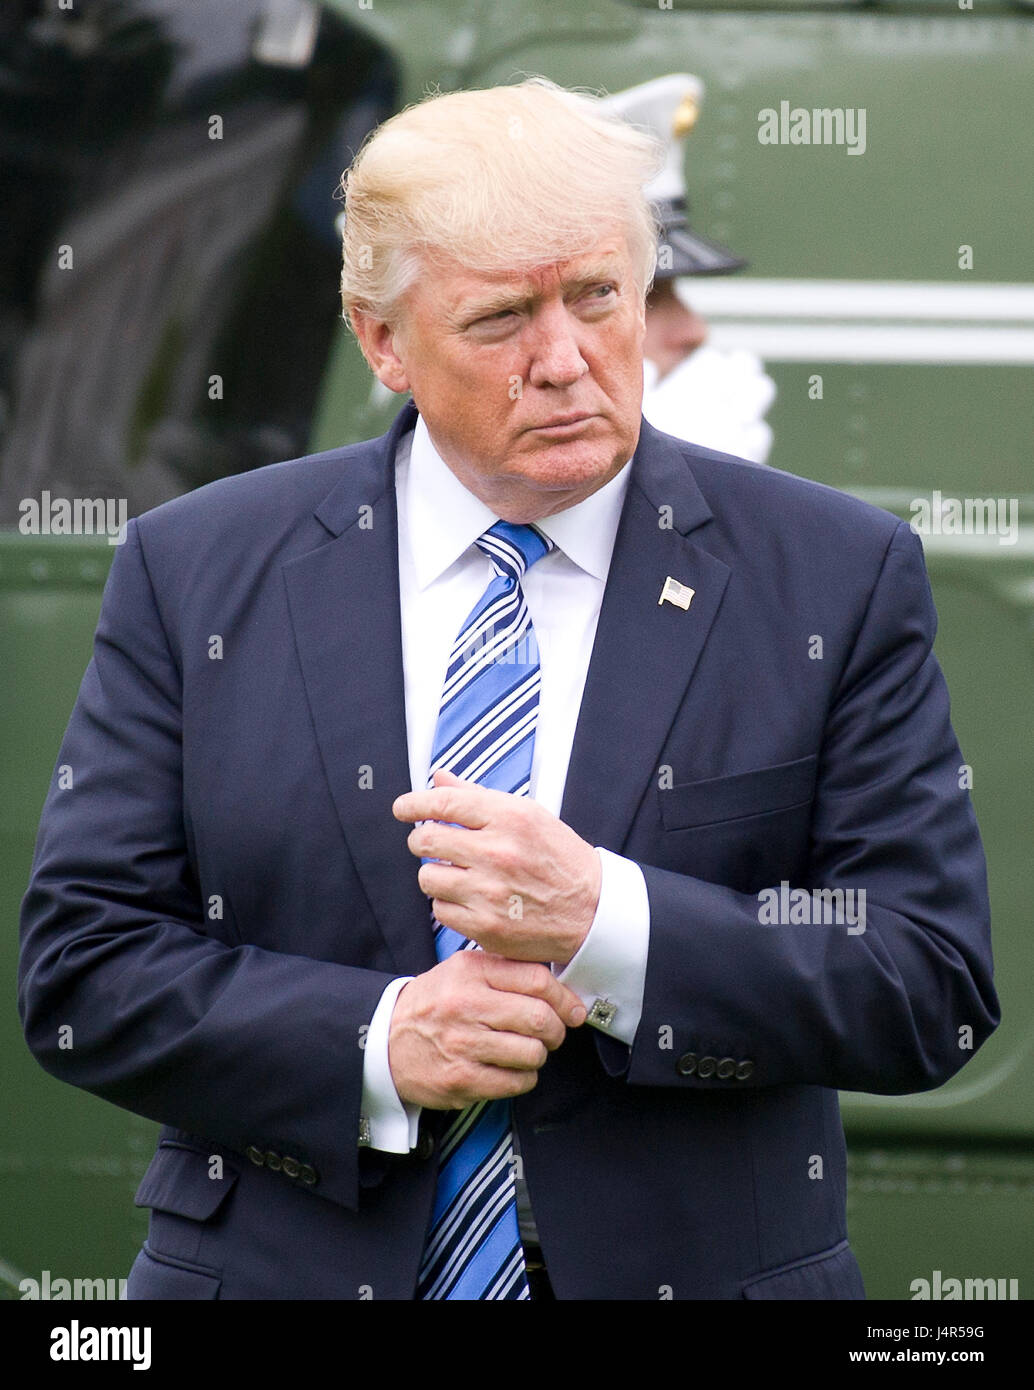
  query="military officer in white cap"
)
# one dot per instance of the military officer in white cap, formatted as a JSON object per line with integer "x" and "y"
{"x": 692, "y": 390}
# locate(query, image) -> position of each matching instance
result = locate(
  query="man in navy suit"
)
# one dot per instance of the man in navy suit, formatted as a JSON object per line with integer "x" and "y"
{"x": 746, "y": 874}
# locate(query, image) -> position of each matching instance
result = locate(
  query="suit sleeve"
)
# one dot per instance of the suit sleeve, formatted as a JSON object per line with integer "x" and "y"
{"x": 124, "y": 989}
{"x": 896, "y": 1007}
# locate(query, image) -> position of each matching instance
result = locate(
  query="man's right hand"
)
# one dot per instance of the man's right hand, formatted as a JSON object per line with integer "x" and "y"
{"x": 477, "y": 1027}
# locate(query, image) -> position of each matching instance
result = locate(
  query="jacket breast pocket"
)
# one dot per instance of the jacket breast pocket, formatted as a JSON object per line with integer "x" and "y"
{"x": 759, "y": 792}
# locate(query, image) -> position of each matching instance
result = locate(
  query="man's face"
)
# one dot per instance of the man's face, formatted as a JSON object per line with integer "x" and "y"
{"x": 530, "y": 385}
{"x": 673, "y": 330}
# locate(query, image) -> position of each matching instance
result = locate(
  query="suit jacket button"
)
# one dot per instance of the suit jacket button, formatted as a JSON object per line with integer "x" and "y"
{"x": 291, "y": 1167}
{"x": 308, "y": 1175}
{"x": 424, "y": 1145}
{"x": 687, "y": 1064}
{"x": 273, "y": 1160}
{"x": 706, "y": 1066}
{"x": 745, "y": 1070}
{"x": 726, "y": 1068}
{"x": 256, "y": 1155}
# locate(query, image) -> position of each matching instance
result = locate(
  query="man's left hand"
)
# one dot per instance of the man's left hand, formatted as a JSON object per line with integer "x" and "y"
{"x": 517, "y": 880}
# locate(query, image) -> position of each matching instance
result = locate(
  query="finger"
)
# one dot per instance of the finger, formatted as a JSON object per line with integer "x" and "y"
{"x": 536, "y": 980}
{"x": 437, "y": 841}
{"x": 450, "y": 882}
{"x": 461, "y": 804}
{"x": 522, "y": 1015}
{"x": 493, "y": 1083}
{"x": 510, "y": 1051}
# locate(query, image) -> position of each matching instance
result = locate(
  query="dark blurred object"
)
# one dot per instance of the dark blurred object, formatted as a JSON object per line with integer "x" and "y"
{"x": 169, "y": 255}
{"x": 691, "y": 253}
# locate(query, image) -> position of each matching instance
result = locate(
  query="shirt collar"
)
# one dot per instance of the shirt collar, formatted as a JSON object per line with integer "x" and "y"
{"x": 444, "y": 518}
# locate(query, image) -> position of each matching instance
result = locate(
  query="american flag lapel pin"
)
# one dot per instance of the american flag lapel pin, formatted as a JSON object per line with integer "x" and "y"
{"x": 681, "y": 595}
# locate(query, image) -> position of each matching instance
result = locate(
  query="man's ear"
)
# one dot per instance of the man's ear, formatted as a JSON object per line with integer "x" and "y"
{"x": 377, "y": 340}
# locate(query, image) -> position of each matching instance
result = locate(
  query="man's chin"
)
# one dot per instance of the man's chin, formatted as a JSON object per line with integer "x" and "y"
{"x": 568, "y": 463}
{"x": 552, "y": 479}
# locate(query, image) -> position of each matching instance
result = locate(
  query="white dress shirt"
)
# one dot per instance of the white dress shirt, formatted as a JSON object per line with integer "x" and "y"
{"x": 442, "y": 575}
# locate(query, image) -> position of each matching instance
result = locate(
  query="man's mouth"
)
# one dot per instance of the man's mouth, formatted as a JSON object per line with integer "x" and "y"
{"x": 563, "y": 424}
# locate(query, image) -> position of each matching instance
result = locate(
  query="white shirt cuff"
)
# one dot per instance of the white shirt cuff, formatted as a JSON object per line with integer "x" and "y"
{"x": 608, "y": 971}
{"x": 385, "y": 1122}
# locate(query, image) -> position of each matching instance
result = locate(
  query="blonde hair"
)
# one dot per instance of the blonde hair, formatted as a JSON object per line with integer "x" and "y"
{"x": 500, "y": 179}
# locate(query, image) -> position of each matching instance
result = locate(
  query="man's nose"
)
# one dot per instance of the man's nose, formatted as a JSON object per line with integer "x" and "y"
{"x": 556, "y": 358}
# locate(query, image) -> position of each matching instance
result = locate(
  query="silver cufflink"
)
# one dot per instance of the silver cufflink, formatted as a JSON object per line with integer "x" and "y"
{"x": 602, "y": 1013}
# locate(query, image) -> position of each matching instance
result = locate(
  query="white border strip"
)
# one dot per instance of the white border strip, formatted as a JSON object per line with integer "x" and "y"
{"x": 861, "y": 342}
{"x": 725, "y": 297}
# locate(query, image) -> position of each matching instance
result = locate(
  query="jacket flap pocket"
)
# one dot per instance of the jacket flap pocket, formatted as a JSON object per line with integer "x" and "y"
{"x": 831, "y": 1274}
{"x": 744, "y": 794}
{"x": 155, "y": 1277}
{"x": 178, "y": 1180}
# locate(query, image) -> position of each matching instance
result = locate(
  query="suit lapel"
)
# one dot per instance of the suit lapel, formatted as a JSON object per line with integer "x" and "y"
{"x": 644, "y": 653}
{"x": 344, "y": 603}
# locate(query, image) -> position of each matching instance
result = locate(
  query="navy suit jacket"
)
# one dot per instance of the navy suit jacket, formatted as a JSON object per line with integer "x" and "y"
{"x": 222, "y": 894}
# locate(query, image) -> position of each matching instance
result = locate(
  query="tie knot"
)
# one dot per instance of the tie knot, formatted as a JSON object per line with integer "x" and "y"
{"x": 514, "y": 549}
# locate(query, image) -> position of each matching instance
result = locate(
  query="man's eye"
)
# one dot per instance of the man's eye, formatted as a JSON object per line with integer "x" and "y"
{"x": 491, "y": 320}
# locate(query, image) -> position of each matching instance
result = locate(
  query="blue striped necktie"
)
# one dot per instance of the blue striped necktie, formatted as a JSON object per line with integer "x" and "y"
{"x": 485, "y": 734}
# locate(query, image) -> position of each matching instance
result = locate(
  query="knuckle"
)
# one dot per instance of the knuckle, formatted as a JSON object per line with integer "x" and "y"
{"x": 457, "y": 967}
{"x": 503, "y": 855}
{"x": 499, "y": 969}
{"x": 456, "y": 1078}
{"x": 539, "y": 979}
{"x": 522, "y": 1082}
{"x": 540, "y": 1016}
{"x": 420, "y": 836}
